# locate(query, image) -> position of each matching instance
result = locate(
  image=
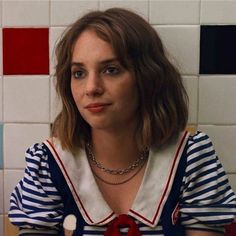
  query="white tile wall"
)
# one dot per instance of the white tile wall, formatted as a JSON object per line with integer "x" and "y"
{"x": 140, "y": 6}
{"x": 26, "y": 98}
{"x": 216, "y": 98}
{"x": 66, "y": 12}
{"x": 1, "y": 191}
{"x": 25, "y": 13}
{"x": 18, "y": 138}
{"x": 174, "y": 12}
{"x": 218, "y": 12}
{"x": 29, "y": 103}
{"x": 55, "y": 34}
{"x": 224, "y": 141}
{"x": 182, "y": 43}
{"x": 1, "y": 226}
{"x": 232, "y": 181}
{"x": 55, "y": 101}
{"x": 191, "y": 85}
{"x": 1, "y": 13}
{"x": 11, "y": 178}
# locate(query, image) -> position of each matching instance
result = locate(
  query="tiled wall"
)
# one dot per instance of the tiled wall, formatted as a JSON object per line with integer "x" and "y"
{"x": 29, "y": 30}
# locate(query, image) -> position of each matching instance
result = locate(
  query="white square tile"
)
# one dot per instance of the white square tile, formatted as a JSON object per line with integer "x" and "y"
{"x": 22, "y": 136}
{"x": 55, "y": 34}
{"x": 174, "y": 12}
{"x": 216, "y": 99}
{"x": 191, "y": 85}
{"x": 66, "y": 12}
{"x": 218, "y": 12}
{"x": 224, "y": 141}
{"x": 1, "y": 225}
{"x": 1, "y": 13}
{"x": 56, "y": 104}
{"x": 140, "y": 6}
{"x": 25, "y": 13}
{"x": 232, "y": 181}
{"x": 11, "y": 179}
{"x": 26, "y": 98}
{"x": 1, "y": 192}
{"x": 182, "y": 44}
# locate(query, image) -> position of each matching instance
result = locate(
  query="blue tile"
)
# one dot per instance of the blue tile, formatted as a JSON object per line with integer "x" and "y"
{"x": 218, "y": 49}
{"x": 1, "y": 146}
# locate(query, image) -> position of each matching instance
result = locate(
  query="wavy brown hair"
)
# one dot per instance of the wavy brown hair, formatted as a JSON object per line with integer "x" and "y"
{"x": 163, "y": 100}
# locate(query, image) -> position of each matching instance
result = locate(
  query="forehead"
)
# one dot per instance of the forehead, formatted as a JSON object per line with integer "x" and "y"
{"x": 89, "y": 39}
{"x": 90, "y": 44}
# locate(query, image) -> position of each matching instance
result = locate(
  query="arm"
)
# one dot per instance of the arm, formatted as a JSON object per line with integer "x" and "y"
{"x": 207, "y": 201}
{"x": 201, "y": 233}
{"x": 35, "y": 204}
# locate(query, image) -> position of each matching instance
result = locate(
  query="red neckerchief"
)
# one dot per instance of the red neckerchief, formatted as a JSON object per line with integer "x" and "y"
{"x": 122, "y": 221}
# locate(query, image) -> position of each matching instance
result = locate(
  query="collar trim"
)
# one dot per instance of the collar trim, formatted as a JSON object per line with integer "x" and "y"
{"x": 94, "y": 209}
{"x": 152, "y": 218}
{"x": 84, "y": 212}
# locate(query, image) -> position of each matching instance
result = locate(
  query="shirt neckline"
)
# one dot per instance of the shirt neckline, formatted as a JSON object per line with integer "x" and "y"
{"x": 155, "y": 186}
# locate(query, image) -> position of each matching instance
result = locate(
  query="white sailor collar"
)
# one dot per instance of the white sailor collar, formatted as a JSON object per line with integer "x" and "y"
{"x": 152, "y": 194}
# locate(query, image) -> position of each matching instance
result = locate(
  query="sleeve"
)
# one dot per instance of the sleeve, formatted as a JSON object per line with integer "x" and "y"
{"x": 207, "y": 201}
{"x": 35, "y": 204}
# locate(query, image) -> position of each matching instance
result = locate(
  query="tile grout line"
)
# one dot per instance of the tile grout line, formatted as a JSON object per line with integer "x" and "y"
{"x": 200, "y": 11}
{"x": 99, "y": 5}
{"x": 148, "y": 11}
{"x": 199, "y": 48}
{"x": 2, "y": 90}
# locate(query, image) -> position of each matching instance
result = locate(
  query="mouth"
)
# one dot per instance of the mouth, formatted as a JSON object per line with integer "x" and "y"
{"x": 97, "y": 107}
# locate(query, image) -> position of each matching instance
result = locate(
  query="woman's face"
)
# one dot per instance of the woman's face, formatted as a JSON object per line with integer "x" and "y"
{"x": 105, "y": 93}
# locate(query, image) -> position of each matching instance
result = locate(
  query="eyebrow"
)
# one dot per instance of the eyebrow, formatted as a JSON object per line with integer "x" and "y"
{"x": 104, "y": 62}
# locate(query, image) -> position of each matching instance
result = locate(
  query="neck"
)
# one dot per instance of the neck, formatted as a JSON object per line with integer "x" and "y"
{"x": 114, "y": 150}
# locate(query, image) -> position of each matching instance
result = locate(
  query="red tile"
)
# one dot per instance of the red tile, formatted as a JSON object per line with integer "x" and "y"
{"x": 230, "y": 230}
{"x": 25, "y": 51}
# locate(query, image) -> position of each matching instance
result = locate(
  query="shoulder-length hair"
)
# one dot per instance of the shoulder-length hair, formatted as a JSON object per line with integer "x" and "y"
{"x": 163, "y": 100}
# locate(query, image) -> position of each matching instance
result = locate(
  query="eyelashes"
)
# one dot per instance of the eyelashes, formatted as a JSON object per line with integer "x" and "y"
{"x": 112, "y": 70}
{"x": 78, "y": 74}
{"x": 109, "y": 70}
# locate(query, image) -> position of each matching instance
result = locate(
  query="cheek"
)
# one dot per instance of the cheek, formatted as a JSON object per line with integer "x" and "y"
{"x": 132, "y": 91}
{"x": 130, "y": 97}
{"x": 75, "y": 92}
{"x": 72, "y": 88}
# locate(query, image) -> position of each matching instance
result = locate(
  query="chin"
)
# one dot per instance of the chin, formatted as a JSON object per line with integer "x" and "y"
{"x": 98, "y": 125}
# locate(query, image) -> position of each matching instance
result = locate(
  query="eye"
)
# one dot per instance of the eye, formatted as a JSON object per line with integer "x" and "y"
{"x": 78, "y": 74}
{"x": 112, "y": 70}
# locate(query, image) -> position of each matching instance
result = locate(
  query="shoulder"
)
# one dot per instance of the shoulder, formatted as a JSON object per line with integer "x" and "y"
{"x": 37, "y": 149}
{"x": 36, "y": 201}
{"x": 37, "y": 155}
{"x": 199, "y": 149}
{"x": 200, "y": 154}
{"x": 198, "y": 142}
{"x": 207, "y": 198}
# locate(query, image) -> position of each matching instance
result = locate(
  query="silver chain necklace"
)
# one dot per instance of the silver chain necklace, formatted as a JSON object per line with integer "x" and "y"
{"x": 143, "y": 156}
{"x": 121, "y": 182}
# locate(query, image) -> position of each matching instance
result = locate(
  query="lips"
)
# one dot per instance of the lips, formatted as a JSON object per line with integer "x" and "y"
{"x": 97, "y": 107}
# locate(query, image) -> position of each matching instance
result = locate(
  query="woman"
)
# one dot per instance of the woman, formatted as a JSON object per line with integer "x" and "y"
{"x": 119, "y": 158}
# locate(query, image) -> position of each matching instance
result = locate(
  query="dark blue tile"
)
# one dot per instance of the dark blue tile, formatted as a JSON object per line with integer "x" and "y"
{"x": 218, "y": 49}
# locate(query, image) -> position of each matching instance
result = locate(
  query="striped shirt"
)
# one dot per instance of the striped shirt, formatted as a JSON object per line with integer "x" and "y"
{"x": 207, "y": 201}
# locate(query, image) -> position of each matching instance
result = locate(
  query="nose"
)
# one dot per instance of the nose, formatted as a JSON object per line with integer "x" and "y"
{"x": 94, "y": 85}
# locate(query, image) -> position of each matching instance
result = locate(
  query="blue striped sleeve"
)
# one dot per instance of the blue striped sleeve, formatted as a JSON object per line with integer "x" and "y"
{"x": 207, "y": 201}
{"x": 35, "y": 205}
